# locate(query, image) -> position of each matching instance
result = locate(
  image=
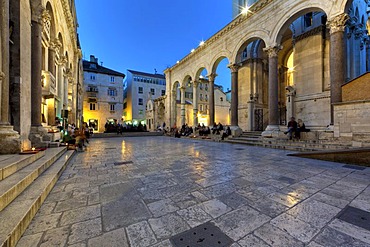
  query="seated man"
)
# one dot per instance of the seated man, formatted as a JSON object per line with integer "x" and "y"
{"x": 292, "y": 127}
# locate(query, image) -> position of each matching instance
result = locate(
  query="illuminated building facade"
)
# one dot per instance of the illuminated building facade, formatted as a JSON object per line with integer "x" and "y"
{"x": 40, "y": 68}
{"x": 139, "y": 87}
{"x": 103, "y": 95}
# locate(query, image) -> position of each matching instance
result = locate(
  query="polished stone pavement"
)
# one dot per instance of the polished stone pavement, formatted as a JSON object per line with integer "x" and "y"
{"x": 142, "y": 191}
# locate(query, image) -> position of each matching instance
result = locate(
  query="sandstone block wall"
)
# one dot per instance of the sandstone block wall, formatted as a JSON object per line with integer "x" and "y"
{"x": 357, "y": 89}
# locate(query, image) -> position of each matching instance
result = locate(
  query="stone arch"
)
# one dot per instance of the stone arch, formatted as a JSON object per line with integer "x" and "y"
{"x": 243, "y": 46}
{"x": 200, "y": 70}
{"x": 186, "y": 80}
{"x": 52, "y": 29}
{"x": 290, "y": 16}
{"x": 218, "y": 58}
{"x": 249, "y": 37}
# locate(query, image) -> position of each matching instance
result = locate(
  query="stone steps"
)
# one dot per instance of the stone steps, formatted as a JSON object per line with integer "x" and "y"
{"x": 12, "y": 186}
{"x": 14, "y": 163}
{"x": 16, "y": 217}
{"x": 252, "y": 139}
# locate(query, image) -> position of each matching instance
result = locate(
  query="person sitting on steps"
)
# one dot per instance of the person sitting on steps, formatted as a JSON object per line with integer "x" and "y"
{"x": 292, "y": 127}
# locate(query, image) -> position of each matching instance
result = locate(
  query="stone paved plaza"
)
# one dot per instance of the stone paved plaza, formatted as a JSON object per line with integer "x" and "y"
{"x": 142, "y": 191}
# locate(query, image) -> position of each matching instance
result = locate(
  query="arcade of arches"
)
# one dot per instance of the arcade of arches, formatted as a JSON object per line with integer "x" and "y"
{"x": 41, "y": 70}
{"x": 287, "y": 58}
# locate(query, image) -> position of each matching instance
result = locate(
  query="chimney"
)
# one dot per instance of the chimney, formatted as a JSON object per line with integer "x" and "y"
{"x": 92, "y": 58}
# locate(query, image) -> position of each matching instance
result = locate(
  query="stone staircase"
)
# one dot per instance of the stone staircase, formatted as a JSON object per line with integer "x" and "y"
{"x": 25, "y": 182}
{"x": 254, "y": 138}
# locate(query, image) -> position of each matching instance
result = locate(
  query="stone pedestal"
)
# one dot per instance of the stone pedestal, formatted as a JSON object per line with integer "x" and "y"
{"x": 39, "y": 136}
{"x": 236, "y": 131}
{"x": 271, "y": 131}
{"x": 10, "y": 142}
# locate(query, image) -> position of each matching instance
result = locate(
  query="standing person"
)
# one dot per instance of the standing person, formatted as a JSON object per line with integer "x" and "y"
{"x": 292, "y": 127}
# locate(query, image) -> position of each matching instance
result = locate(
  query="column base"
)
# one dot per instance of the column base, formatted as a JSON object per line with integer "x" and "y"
{"x": 10, "y": 142}
{"x": 236, "y": 131}
{"x": 271, "y": 131}
{"x": 39, "y": 136}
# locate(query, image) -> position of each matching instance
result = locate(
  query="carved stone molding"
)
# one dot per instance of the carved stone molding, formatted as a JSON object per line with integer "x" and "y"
{"x": 272, "y": 51}
{"x": 338, "y": 23}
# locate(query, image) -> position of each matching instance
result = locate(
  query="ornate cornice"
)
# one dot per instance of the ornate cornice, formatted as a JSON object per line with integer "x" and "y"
{"x": 318, "y": 30}
{"x": 254, "y": 9}
{"x": 70, "y": 21}
{"x": 272, "y": 51}
{"x": 338, "y": 23}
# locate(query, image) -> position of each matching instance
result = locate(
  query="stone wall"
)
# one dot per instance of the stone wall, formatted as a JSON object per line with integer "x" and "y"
{"x": 357, "y": 89}
{"x": 352, "y": 120}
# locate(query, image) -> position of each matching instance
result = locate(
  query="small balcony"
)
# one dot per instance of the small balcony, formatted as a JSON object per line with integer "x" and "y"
{"x": 92, "y": 94}
{"x": 48, "y": 85}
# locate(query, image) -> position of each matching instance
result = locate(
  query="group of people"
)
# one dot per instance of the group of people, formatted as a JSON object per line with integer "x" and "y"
{"x": 202, "y": 130}
{"x": 120, "y": 127}
{"x": 295, "y": 128}
{"x": 76, "y": 138}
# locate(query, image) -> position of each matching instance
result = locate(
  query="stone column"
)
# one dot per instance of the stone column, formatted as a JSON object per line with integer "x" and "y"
{"x": 182, "y": 90}
{"x": 367, "y": 54}
{"x": 211, "y": 98}
{"x": 234, "y": 94}
{"x": 173, "y": 119}
{"x": 273, "y": 126}
{"x": 51, "y": 60}
{"x": 195, "y": 103}
{"x": 36, "y": 65}
{"x": 337, "y": 60}
{"x": 5, "y": 49}
{"x": 9, "y": 139}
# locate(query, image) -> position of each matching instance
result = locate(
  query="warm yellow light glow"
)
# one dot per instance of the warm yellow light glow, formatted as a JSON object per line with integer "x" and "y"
{"x": 33, "y": 149}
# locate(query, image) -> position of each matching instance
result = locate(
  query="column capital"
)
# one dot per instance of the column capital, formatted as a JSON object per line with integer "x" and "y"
{"x": 62, "y": 60}
{"x": 234, "y": 67}
{"x": 195, "y": 83}
{"x": 273, "y": 51}
{"x": 212, "y": 77}
{"x": 182, "y": 88}
{"x": 39, "y": 13}
{"x": 55, "y": 45}
{"x": 338, "y": 23}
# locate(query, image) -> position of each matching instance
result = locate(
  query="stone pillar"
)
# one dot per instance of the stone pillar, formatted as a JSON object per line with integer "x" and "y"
{"x": 211, "y": 98}
{"x": 290, "y": 98}
{"x": 337, "y": 57}
{"x": 182, "y": 90}
{"x": 36, "y": 64}
{"x": 173, "y": 119}
{"x": 234, "y": 94}
{"x": 273, "y": 126}
{"x": 367, "y": 54}
{"x": 51, "y": 60}
{"x": 38, "y": 134}
{"x": 5, "y": 49}
{"x": 195, "y": 103}
{"x": 9, "y": 139}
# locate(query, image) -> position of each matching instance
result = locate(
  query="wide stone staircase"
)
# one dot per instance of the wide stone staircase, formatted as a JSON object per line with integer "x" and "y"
{"x": 254, "y": 138}
{"x": 25, "y": 182}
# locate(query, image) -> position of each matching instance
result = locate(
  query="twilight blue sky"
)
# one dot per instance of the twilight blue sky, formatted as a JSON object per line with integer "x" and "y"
{"x": 145, "y": 35}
